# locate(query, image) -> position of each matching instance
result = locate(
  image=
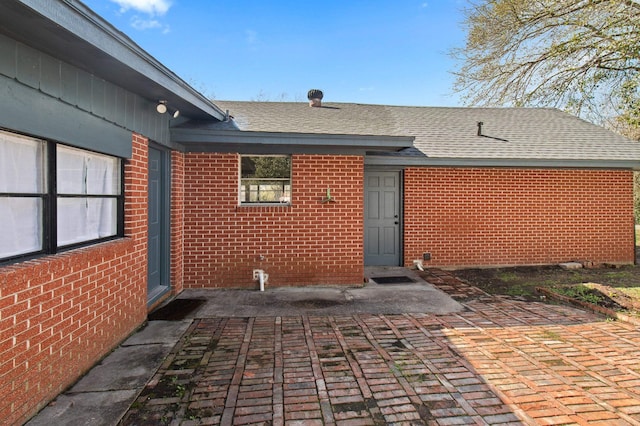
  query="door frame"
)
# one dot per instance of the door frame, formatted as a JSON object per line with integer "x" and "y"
{"x": 165, "y": 225}
{"x": 400, "y": 172}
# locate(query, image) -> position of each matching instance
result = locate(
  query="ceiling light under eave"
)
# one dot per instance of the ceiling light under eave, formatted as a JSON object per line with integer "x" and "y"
{"x": 161, "y": 107}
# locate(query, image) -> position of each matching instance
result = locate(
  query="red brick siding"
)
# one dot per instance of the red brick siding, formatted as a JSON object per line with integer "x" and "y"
{"x": 471, "y": 217}
{"x": 60, "y": 314}
{"x": 177, "y": 221}
{"x": 306, "y": 243}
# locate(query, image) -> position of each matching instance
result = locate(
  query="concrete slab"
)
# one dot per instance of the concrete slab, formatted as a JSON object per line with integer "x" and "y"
{"x": 158, "y": 332}
{"x": 372, "y": 298}
{"x": 92, "y": 408}
{"x": 126, "y": 368}
{"x": 103, "y": 395}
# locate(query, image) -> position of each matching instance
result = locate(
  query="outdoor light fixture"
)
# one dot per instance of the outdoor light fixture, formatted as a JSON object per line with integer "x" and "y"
{"x": 161, "y": 107}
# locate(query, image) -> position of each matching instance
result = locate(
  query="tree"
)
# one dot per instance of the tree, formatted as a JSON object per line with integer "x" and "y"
{"x": 579, "y": 55}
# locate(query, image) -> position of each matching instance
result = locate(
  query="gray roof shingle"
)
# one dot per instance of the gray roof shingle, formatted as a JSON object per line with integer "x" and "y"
{"x": 445, "y": 132}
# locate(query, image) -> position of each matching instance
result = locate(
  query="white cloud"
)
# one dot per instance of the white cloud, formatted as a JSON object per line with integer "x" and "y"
{"x": 150, "y": 7}
{"x": 144, "y": 24}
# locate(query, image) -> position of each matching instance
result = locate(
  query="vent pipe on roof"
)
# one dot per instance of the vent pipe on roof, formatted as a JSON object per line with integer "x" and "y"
{"x": 315, "y": 98}
{"x": 480, "y": 124}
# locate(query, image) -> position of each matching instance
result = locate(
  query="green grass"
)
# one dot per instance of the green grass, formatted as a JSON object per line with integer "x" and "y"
{"x": 507, "y": 276}
{"x": 520, "y": 290}
{"x": 580, "y": 292}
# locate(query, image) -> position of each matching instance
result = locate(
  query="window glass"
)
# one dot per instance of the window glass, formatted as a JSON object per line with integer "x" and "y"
{"x": 83, "y": 172}
{"x": 21, "y": 164}
{"x": 86, "y": 219}
{"x": 21, "y": 219}
{"x": 22, "y": 186}
{"x": 265, "y": 179}
{"x": 80, "y": 172}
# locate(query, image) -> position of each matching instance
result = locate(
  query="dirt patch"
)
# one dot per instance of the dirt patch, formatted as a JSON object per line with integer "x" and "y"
{"x": 613, "y": 287}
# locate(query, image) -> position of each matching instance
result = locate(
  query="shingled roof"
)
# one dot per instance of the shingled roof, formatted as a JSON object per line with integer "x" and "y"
{"x": 515, "y": 136}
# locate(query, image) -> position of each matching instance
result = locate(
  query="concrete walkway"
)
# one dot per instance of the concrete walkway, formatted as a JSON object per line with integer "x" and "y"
{"x": 488, "y": 360}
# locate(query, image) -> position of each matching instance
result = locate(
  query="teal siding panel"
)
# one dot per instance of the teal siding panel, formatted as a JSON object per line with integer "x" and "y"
{"x": 50, "y": 76}
{"x": 7, "y": 57}
{"x": 97, "y": 96}
{"x": 28, "y": 66}
{"x": 74, "y": 87}
{"x": 110, "y": 101}
{"x": 30, "y": 111}
{"x": 121, "y": 106}
{"x": 84, "y": 91}
{"x": 130, "y": 107}
{"x": 69, "y": 83}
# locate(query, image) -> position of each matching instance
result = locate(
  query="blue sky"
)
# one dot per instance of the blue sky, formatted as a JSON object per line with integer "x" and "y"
{"x": 364, "y": 51}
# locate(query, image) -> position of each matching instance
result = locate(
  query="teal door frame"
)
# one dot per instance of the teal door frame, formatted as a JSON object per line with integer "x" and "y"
{"x": 159, "y": 224}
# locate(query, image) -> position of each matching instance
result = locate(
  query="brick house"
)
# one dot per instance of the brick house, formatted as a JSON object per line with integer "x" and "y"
{"x": 450, "y": 187}
{"x": 111, "y": 202}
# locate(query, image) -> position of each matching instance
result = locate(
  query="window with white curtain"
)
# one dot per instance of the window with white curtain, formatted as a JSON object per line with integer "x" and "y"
{"x": 88, "y": 186}
{"x": 52, "y": 201}
{"x": 22, "y": 194}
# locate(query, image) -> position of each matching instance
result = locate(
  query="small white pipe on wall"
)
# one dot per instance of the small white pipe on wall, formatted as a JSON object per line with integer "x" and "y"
{"x": 260, "y": 275}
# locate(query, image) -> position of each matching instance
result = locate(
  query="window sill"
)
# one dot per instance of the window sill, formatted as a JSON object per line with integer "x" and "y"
{"x": 257, "y": 206}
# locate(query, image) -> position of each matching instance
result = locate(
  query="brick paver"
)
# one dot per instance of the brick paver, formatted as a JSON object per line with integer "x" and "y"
{"x": 498, "y": 362}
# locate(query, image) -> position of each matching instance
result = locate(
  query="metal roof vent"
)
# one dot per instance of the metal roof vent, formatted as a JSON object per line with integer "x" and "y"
{"x": 315, "y": 98}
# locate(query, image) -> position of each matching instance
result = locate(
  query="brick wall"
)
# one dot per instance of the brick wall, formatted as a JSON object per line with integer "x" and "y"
{"x": 306, "y": 243}
{"x": 469, "y": 217}
{"x": 60, "y": 314}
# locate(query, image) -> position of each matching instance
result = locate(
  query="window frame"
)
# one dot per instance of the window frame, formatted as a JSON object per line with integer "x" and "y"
{"x": 286, "y": 180}
{"x": 49, "y": 196}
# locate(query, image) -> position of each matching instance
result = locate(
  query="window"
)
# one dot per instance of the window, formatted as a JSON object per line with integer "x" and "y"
{"x": 265, "y": 179}
{"x": 87, "y": 196}
{"x": 53, "y": 196}
{"x": 22, "y": 194}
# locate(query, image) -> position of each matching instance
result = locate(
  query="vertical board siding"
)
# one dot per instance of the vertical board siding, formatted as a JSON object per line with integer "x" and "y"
{"x": 80, "y": 89}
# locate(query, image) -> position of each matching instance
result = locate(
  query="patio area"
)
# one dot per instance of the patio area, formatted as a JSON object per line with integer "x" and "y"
{"x": 494, "y": 361}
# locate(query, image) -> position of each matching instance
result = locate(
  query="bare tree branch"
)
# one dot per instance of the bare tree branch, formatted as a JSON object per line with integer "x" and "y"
{"x": 580, "y": 55}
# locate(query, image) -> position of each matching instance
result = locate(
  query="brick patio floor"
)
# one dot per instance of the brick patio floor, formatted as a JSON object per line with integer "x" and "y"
{"x": 500, "y": 361}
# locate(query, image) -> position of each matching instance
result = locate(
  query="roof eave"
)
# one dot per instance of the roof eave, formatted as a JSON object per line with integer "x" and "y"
{"x": 274, "y": 142}
{"x": 72, "y": 32}
{"x": 423, "y": 161}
